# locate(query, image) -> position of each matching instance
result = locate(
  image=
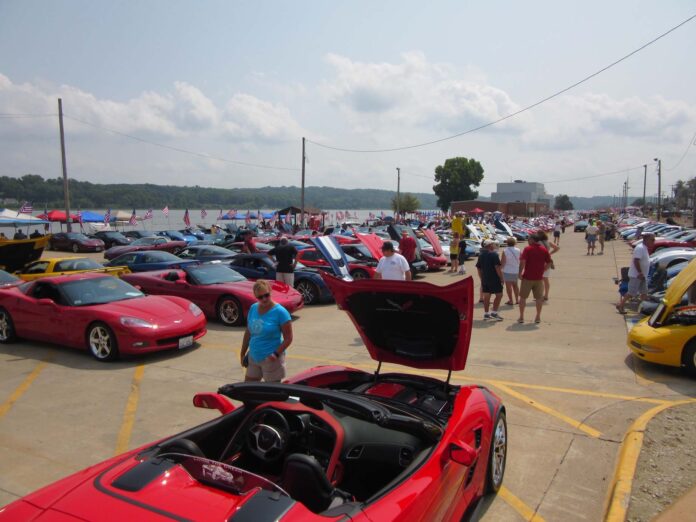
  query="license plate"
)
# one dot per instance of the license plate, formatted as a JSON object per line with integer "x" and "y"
{"x": 185, "y": 342}
{"x": 98, "y": 249}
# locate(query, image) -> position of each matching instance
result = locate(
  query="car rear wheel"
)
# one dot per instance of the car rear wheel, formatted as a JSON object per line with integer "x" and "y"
{"x": 689, "y": 357}
{"x": 75, "y": 248}
{"x": 229, "y": 311}
{"x": 498, "y": 455}
{"x": 7, "y": 331}
{"x": 360, "y": 274}
{"x": 101, "y": 342}
{"x": 309, "y": 292}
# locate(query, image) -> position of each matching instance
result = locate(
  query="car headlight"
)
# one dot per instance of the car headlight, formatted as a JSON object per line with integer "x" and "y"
{"x": 195, "y": 309}
{"x": 137, "y": 322}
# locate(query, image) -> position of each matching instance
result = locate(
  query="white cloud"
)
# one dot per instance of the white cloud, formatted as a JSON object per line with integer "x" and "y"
{"x": 246, "y": 117}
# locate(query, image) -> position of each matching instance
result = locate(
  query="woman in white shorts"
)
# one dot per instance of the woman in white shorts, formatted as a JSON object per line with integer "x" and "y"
{"x": 510, "y": 261}
{"x": 552, "y": 248}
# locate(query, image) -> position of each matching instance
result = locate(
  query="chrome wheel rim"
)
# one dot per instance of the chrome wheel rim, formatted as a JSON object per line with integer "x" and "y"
{"x": 306, "y": 290}
{"x": 4, "y": 327}
{"x": 100, "y": 342}
{"x": 499, "y": 452}
{"x": 229, "y": 312}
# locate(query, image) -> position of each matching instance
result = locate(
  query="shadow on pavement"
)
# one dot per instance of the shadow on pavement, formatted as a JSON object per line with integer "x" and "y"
{"x": 677, "y": 379}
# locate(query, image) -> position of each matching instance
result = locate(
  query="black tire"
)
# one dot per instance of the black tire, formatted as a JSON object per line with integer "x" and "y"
{"x": 101, "y": 342}
{"x": 689, "y": 357}
{"x": 497, "y": 455}
{"x": 50, "y": 246}
{"x": 360, "y": 274}
{"x": 309, "y": 291}
{"x": 7, "y": 331}
{"x": 75, "y": 248}
{"x": 229, "y": 311}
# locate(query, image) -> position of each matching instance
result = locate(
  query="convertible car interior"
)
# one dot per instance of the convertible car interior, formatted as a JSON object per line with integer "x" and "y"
{"x": 327, "y": 449}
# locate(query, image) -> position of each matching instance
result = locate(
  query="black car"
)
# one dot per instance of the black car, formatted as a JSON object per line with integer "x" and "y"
{"x": 111, "y": 238}
{"x": 138, "y": 234}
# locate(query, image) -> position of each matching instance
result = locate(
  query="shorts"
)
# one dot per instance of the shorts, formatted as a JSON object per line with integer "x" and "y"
{"x": 454, "y": 257}
{"x": 637, "y": 286}
{"x": 556, "y": 233}
{"x": 510, "y": 278}
{"x": 591, "y": 238}
{"x": 270, "y": 371}
{"x": 492, "y": 287}
{"x": 287, "y": 278}
{"x": 536, "y": 287}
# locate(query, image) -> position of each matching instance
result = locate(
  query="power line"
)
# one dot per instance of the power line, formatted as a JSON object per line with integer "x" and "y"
{"x": 686, "y": 151}
{"x": 511, "y": 115}
{"x": 178, "y": 149}
{"x": 12, "y": 116}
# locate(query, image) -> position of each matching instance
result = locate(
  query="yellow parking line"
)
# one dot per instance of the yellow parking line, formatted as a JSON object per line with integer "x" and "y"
{"x": 622, "y": 483}
{"x": 124, "y": 434}
{"x": 515, "y": 503}
{"x": 21, "y": 389}
{"x": 546, "y": 409}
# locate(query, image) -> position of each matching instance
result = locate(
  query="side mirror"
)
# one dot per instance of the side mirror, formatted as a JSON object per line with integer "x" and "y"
{"x": 213, "y": 401}
{"x": 45, "y": 302}
{"x": 461, "y": 453}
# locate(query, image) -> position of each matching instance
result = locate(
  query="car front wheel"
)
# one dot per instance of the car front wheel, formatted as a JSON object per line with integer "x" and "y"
{"x": 101, "y": 342}
{"x": 689, "y": 357}
{"x": 75, "y": 248}
{"x": 497, "y": 455}
{"x": 309, "y": 292}
{"x": 229, "y": 311}
{"x": 7, "y": 332}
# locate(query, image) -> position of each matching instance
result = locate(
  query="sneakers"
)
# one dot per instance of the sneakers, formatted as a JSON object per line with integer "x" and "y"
{"x": 462, "y": 271}
{"x": 495, "y": 316}
{"x": 486, "y": 316}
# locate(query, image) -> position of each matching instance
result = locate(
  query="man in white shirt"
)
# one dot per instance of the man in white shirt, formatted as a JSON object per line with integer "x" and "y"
{"x": 638, "y": 271}
{"x": 392, "y": 265}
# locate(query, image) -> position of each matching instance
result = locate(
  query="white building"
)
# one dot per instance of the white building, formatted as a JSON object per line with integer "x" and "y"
{"x": 519, "y": 190}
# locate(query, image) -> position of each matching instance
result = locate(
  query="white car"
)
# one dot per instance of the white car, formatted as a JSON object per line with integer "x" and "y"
{"x": 670, "y": 256}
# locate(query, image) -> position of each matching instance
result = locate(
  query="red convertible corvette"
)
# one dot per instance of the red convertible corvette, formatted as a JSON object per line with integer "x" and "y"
{"x": 146, "y": 243}
{"x": 99, "y": 313}
{"x": 222, "y": 293}
{"x": 312, "y": 258}
{"x": 333, "y": 443}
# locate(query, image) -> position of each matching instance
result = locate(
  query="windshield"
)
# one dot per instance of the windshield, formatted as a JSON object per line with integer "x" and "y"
{"x": 148, "y": 241}
{"x": 214, "y": 274}
{"x": 6, "y": 277}
{"x": 70, "y": 265}
{"x": 99, "y": 290}
{"x": 224, "y": 476}
{"x": 155, "y": 256}
{"x": 79, "y": 237}
{"x": 116, "y": 235}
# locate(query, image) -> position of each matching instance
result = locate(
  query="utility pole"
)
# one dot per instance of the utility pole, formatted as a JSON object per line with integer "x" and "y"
{"x": 645, "y": 179}
{"x": 398, "y": 190}
{"x": 303, "y": 183}
{"x": 66, "y": 188}
{"x": 659, "y": 188}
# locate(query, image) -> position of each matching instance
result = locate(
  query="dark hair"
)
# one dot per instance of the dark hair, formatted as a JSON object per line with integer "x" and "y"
{"x": 541, "y": 236}
{"x": 387, "y": 245}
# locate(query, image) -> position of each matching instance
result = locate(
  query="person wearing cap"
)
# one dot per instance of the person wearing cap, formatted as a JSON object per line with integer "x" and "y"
{"x": 491, "y": 276}
{"x": 638, "y": 271}
{"x": 392, "y": 266}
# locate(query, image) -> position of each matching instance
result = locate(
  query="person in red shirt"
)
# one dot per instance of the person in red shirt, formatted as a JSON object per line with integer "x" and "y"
{"x": 534, "y": 261}
{"x": 249, "y": 246}
{"x": 407, "y": 248}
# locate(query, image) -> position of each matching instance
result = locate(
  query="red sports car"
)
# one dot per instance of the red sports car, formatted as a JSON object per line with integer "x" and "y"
{"x": 222, "y": 293}
{"x": 312, "y": 258}
{"x": 99, "y": 313}
{"x": 146, "y": 243}
{"x": 333, "y": 443}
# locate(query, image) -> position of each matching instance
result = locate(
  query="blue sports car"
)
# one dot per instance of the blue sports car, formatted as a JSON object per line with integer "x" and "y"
{"x": 145, "y": 260}
{"x": 307, "y": 280}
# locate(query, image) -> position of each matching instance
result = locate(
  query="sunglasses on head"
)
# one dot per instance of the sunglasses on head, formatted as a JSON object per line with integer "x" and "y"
{"x": 263, "y": 296}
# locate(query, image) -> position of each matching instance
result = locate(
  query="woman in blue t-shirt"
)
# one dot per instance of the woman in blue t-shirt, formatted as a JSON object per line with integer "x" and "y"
{"x": 268, "y": 335}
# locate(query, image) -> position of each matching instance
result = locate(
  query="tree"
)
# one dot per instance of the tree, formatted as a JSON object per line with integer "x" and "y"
{"x": 638, "y": 202}
{"x": 454, "y": 181}
{"x": 563, "y": 202}
{"x": 407, "y": 203}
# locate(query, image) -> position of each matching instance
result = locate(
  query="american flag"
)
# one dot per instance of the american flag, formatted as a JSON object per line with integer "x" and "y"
{"x": 372, "y": 215}
{"x": 148, "y": 214}
{"x": 165, "y": 211}
{"x": 26, "y": 208}
{"x": 339, "y": 216}
{"x": 133, "y": 221}
{"x": 220, "y": 215}
{"x": 382, "y": 214}
{"x": 107, "y": 216}
{"x": 79, "y": 216}
{"x": 247, "y": 219}
{"x": 187, "y": 219}
{"x": 203, "y": 213}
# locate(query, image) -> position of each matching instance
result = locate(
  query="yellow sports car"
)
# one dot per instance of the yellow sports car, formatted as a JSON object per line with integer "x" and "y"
{"x": 66, "y": 265}
{"x": 668, "y": 336}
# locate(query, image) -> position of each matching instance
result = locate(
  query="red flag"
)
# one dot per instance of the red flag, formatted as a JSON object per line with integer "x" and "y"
{"x": 133, "y": 221}
{"x": 187, "y": 219}
{"x": 247, "y": 219}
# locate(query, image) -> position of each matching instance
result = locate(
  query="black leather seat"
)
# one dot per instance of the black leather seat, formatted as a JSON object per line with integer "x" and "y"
{"x": 305, "y": 481}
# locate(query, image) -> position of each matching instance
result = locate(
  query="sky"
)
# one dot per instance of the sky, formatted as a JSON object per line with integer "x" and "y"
{"x": 237, "y": 84}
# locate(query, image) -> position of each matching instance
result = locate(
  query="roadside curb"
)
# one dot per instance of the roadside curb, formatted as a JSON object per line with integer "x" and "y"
{"x": 619, "y": 496}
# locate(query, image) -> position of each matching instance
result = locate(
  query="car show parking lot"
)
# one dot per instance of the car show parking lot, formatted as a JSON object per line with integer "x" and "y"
{"x": 577, "y": 401}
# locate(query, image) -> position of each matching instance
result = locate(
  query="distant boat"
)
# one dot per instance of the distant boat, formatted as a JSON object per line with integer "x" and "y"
{"x": 15, "y": 253}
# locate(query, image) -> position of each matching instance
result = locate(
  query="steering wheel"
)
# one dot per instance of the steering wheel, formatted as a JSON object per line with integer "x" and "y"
{"x": 268, "y": 434}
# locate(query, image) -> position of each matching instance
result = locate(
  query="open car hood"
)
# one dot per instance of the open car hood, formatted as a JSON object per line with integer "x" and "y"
{"x": 334, "y": 255}
{"x": 432, "y": 238}
{"x": 373, "y": 243}
{"x": 680, "y": 285}
{"x": 415, "y": 324}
